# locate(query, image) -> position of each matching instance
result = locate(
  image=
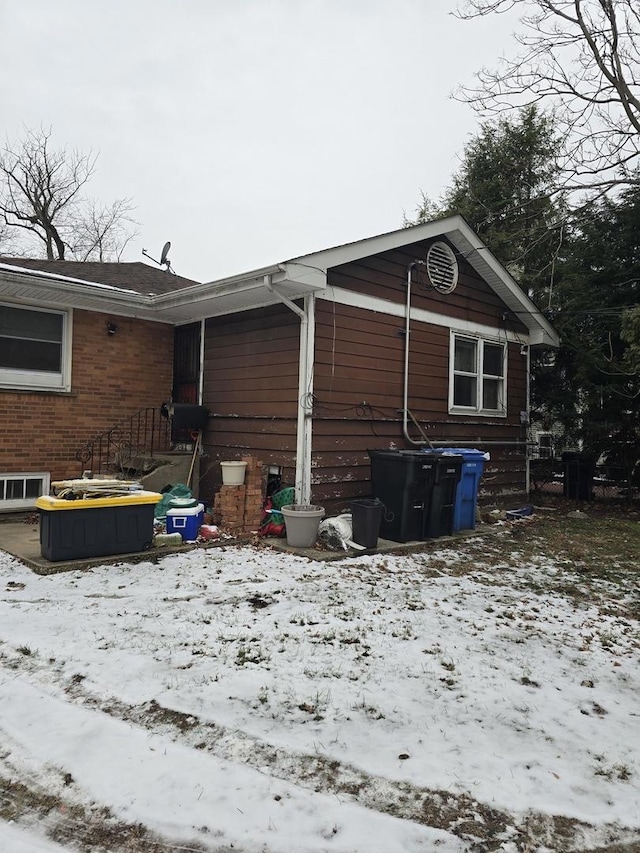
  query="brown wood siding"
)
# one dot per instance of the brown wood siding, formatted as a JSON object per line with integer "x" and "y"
{"x": 251, "y": 382}
{"x": 358, "y": 397}
{"x": 251, "y": 391}
{"x": 385, "y": 275}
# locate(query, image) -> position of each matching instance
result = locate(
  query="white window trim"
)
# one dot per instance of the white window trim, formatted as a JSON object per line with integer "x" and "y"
{"x": 24, "y": 503}
{"x": 540, "y": 450}
{"x": 480, "y": 340}
{"x": 33, "y": 380}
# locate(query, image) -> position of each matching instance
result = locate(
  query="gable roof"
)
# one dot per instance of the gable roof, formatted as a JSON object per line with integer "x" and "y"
{"x": 136, "y": 276}
{"x": 136, "y": 289}
{"x": 306, "y": 274}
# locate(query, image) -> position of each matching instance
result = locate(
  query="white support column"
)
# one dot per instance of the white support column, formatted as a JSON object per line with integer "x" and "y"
{"x": 305, "y": 405}
{"x": 304, "y": 424}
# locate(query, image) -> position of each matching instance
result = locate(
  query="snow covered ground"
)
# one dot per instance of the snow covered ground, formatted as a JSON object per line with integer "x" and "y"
{"x": 242, "y": 699}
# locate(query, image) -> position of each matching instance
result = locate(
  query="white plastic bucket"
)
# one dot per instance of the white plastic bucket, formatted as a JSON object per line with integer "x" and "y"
{"x": 233, "y": 473}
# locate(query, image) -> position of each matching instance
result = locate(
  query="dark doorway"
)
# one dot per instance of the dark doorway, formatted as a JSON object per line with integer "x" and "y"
{"x": 186, "y": 363}
{"x": 186, "y": 375}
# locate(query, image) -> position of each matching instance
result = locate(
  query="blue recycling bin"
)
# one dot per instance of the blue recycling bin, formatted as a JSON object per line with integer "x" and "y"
{"x": 464, "y": 512}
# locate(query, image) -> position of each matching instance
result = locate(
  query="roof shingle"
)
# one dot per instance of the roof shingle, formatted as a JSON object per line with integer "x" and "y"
{"x": 136, "y": 276}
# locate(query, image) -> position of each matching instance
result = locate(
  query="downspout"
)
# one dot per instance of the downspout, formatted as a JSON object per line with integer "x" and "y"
{"x": 201, "y": 377}
{"x": 305, "y": 388}
{"x": 407, "y": 330}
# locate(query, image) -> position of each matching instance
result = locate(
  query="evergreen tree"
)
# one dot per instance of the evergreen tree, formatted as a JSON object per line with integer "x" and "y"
{"x": 507, "y": 191}
{"x": 592, "y": 386}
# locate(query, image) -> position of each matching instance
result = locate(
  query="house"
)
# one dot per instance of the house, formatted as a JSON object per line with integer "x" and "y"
{"x": 80, "y": 351}
{"x": 405, "y": 339}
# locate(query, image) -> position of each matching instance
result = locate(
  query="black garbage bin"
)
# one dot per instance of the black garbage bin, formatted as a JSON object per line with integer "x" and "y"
{"x": 366, "y": 516}
{"x": 403, "y": 481}
{"x": 418, "y": 490}
{"x": 578, "y": 471}
{"x": 440, "y": 520}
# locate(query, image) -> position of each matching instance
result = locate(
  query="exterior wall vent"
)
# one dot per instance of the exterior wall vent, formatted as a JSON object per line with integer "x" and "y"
{"x": 442, "y": 268}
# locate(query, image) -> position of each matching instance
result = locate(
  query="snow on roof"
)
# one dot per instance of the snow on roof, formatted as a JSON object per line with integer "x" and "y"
{"x": 36, "y": 273}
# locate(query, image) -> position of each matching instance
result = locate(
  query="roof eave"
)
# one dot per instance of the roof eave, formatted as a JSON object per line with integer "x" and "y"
{"x": 541, "y": 332}
{"x": 29, "y": 286}
{"x": 238, "y": 293}
{"x": 457, "y": 230}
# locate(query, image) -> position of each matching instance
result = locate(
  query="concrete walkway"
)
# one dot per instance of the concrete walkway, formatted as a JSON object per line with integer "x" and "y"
{"x": 20, "y": 537}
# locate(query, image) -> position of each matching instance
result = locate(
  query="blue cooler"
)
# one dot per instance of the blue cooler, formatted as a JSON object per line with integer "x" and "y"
{"x": 186, "y": 521}
{"x": 464, "y": 513}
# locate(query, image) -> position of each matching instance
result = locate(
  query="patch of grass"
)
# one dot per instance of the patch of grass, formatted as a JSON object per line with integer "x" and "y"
{"x": 78, "y": 826}
{"x": 622, "y": 772}
{"x": 591, "y": 559}
{"x": 250, "y": 654}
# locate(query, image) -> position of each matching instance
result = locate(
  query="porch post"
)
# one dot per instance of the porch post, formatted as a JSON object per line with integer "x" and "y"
{"x": 305, "y": 402}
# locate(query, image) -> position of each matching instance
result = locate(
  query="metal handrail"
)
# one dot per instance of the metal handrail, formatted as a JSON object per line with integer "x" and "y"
{"x": 142, "y": 434}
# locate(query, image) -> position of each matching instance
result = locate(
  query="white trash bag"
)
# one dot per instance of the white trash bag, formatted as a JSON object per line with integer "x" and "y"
{"x": 336, "y": 533}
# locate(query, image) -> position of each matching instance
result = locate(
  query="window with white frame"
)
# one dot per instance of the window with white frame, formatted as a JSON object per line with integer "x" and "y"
{"x": 19, "y": 491}
{"x": 477, "y": 375}
{"x": 544, "y": 445}
{"x": 34, "y": 348}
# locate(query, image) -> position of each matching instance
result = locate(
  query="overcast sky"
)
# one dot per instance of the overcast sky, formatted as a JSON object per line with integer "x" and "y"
{"x": 250, "y": 131}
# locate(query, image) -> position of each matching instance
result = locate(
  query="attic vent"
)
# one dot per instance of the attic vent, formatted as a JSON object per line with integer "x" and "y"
{"x": 442, "y": 268}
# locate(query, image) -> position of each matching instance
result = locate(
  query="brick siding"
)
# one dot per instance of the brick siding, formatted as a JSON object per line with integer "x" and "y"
{"x": 112, "y": 377}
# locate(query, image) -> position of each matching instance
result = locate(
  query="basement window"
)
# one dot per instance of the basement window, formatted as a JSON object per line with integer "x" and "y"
{"x": 34, "y": 348}
{"x": 20, "y": 491}
{"x": 477, "y": 376}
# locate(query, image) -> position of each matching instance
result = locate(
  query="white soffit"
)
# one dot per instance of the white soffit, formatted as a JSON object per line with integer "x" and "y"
{"x": 239, "y": 293}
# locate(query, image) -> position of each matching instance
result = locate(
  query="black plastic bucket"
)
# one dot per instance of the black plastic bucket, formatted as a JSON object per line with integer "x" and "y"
{"x": 366, "y": 516}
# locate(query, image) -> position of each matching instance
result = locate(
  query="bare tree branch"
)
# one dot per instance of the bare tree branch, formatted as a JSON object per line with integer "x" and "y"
{"x": 41, "y": 194}
{"x": 103, "y": 231}
{"x": 582, "y": 59}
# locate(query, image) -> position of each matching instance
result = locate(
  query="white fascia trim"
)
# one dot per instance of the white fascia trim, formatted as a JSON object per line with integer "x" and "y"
{"x": 458, "y": 231}
{"x": 402, "y": 237}
{"x": 396, "y": 309}
{"x": 62, "y": 293}
{"x": 225, "y": 286}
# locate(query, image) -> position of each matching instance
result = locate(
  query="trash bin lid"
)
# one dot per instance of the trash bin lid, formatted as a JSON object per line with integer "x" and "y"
{"x": 468, "y": 452}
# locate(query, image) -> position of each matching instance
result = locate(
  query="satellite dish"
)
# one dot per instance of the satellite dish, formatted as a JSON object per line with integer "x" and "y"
{"x": 165, "y": 252}
{"x": 164, "y": 260}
